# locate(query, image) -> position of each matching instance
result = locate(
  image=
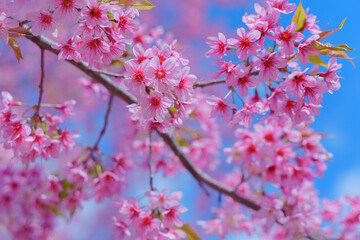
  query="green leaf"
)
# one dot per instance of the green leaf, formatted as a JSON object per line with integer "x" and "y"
{"x": 189, "y": 231}
{"x": 72, "y": 211}
{"x": 328, "y": 46}
{"x": 345, "y": 47}
{"x": 138, "y": 4}
{"x": 172, "y": 109}
{"x": 111, "y": 16}
{"x": 334, "y": 51}
{"x": 325, "y": 34}
{"x": 299, "y": 17}
{"x": 338, "y": 54}
{"x": 53, "y": 208}
{"x": 317, "y": 60}
{"x": 16, "y": 48}
{"x": 99, "y": 169}
{"x": 65, "y": 185}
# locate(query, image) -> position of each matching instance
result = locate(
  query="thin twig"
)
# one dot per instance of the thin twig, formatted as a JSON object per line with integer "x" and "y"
{"x": 151, "y": 174}
{"x": 106, "y": 122}
{"x": 111, "y": 74}
{"x": 41, "y": 85}
{"x": 208, "y": 83}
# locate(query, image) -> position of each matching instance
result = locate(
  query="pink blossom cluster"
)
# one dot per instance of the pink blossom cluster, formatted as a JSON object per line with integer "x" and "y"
{"x": 29, "y": 202}
{"x": 102, "y": 33}
{"x": 38, "y": 136}
{"x": 159, "y": 220}
{"x": 92, "y": 175}
{"x": 279, "y": 154}
{"x": 163, "y": 85}
{"x": 291, "y": 92}
{"x": 277, "y": 165}
{"x": 194, "y": 140}
{"x": 341, "y": 217}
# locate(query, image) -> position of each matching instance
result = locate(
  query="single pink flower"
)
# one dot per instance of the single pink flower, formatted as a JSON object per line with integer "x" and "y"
{"x": 66, "y": 9}
{"x": 160, "y": 74}
{"x": 268, "y": 66}
{"x": 171, "y": 216}
{"x": 220, "y": 107}
{"x": 43, "y": 23}
{"x": 244, "y": 80}
{"x": 218, "y": 46}
{"x": 306, "y": 49}
{"x": 135, "y": 77}
{"x": 330, "y": 77}
{"x": 95, "y": 14}
{"x": 6, "y": 24}
{"x": 155, "y": 106}
{"x": 286, "y": 38}
{"x": 68, "y": 52}
{"x": 245, "y": 43}
{"x": 184, "y": 84}
{"x": 282, "y": 6}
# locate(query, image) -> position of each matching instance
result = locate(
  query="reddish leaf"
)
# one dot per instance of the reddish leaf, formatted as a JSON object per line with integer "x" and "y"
{"x": 16, "y": 48}
{"x": 15, "y": 35}
{"x": 18, "y": 30}
{"x": 325, "y": 34}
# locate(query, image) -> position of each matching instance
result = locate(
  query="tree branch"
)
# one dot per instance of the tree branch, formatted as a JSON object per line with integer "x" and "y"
{"x": 41, "y": 84}
{"x": 208, "y": 83}
{"x": 106, "y": 122}
{"x": 151, "y": 174}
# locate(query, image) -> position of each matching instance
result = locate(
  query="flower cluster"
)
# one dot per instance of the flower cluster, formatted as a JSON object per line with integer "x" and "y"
{"x": 160, "y": 220}
{"x": 163, "y": 85}
{"x": 291, "y": 92}
{"x": 285, "y": 158}
{"x": 29, "y": 202}
{"x": 342, "y": 217}
{"x": 38, "y": 136}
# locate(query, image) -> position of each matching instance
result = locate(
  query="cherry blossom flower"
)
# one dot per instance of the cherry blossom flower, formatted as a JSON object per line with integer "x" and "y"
{"x": 220, "y": 107}
{"x": 43, "y": 23}
{"x": 305, "y": 49}
{"x": 156, "y": 106}
{"x": 282, "y": 6}
{"x": 269, "y": 65}
{"x": 6, "y": 24}
{"x": 246, "y": 43}
{"x": 218, "y": 46}
{"x": 243, "y": 81}
{"x": 286, "y": 38}
{"x": 95, "y": 14}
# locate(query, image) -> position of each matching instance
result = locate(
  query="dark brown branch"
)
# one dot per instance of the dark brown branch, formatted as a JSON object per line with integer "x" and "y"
{"x": 111, "y": 74}
{"x": 208, "y": 83}
{"x": 106, "y": 122}
{"x": 151, "y": 174}
{"x": 200, "y": 176}
{"x": 41, "y": 84}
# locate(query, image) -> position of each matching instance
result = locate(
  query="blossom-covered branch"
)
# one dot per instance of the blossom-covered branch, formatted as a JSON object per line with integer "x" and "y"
{"x": 200, "y": 176}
